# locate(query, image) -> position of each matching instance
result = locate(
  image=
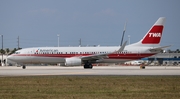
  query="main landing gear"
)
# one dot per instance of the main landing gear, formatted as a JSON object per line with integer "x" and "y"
{"x": 24, "y": 67}
{"x": 88, "y": 65}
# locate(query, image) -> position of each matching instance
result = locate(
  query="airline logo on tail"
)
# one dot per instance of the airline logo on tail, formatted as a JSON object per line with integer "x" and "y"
{"x": 154, "y": 35}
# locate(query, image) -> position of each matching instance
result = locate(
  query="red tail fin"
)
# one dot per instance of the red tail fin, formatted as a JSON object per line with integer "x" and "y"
{"x": 154, "y": 35}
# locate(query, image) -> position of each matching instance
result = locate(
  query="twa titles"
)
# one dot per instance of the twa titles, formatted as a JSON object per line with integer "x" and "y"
{"x": 154, "y": 34}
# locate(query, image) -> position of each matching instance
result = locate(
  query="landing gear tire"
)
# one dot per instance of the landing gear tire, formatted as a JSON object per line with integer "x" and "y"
{"x": 23, "y": 67}
{"x": 88, "y": 65}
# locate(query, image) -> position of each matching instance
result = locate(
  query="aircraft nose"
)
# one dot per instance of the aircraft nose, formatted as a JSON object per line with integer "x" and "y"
{"x": 10, "y": 57}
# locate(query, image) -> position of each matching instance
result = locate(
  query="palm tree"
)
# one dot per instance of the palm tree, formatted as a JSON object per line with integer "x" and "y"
{"x": 2, "y": 51}
{"x": 169, "y": 51}
{"x": 177, "y": 51}
{"x": 13, "y": 51}
{"x": 7, "y": 51}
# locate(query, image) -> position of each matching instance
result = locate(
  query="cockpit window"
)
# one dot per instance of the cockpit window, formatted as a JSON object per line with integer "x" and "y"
{"x": 17, "y": 52}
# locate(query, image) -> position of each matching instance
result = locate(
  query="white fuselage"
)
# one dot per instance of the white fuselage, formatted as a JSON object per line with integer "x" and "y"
{"x": 59, "y": 54}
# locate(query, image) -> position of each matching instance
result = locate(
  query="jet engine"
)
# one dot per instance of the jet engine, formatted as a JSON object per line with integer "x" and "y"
{"x": 73, "y": 62}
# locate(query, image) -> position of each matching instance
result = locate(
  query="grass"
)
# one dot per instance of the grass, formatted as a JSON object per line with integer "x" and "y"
{"x": 90, "y": 87}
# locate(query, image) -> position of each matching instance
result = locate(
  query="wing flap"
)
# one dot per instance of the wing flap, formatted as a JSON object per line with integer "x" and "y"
{"x": 104, "y": 55}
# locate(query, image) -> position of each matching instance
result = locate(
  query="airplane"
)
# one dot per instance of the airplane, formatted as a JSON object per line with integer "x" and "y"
{"x": 76, "y": 56}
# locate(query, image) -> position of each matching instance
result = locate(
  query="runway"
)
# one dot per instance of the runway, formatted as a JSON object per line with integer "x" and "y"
{"x": 97, "y": 70}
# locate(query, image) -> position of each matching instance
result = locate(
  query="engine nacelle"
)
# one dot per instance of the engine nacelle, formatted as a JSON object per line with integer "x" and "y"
{"x": 73, "y": 62}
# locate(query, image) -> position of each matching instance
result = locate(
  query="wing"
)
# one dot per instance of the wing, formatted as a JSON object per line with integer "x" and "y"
{"x": 104, "y": 55}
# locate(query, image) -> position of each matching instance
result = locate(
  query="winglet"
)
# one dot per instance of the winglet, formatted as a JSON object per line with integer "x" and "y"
{"x": 121, "y": 48}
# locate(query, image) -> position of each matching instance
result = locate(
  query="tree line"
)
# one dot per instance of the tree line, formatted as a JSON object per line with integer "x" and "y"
{"x": 7, "y": 51}
{"x": 171, "y": 51}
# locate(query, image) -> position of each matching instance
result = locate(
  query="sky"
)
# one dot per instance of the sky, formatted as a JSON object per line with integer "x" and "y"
{"x": 95, "y": 22}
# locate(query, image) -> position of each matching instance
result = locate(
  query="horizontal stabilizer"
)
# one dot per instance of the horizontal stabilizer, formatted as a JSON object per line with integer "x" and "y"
{"x": 158, "y": 49}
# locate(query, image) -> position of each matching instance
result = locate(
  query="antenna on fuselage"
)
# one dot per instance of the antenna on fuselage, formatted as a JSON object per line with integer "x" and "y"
{"x": 123, "y": 32}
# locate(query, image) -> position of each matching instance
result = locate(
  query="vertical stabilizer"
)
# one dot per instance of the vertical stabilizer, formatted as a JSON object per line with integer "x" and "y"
{"x": 153, "y": 36}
